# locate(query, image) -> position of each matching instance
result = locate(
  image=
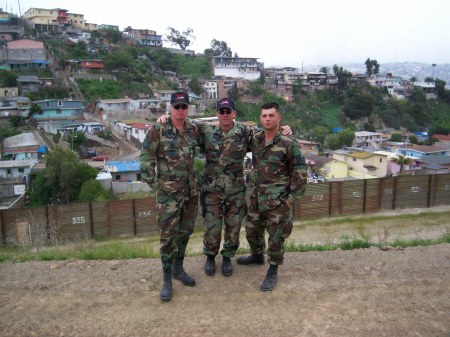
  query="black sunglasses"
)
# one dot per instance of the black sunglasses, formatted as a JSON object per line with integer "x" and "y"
{"x": 225, "y": 111}
{"x": 181, "y": 106}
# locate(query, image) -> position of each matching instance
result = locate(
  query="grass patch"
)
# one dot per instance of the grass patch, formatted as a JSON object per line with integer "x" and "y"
{"x": 354, "y": 243}
{"x": 148, "y": 246}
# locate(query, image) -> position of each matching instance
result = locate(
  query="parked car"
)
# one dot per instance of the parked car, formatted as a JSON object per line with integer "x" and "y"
{"x": 87, "y": 152}
{"x": 101, "y": 157}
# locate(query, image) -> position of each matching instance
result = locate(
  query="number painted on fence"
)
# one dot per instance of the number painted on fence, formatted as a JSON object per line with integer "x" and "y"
{"x": 356, "y": 194}
{"x": 415, "y": 189}
{"x": 317, "y": 197}
{"x": 143, "y": 214}
{"x": 78, "y": 220}
{"x": 388, "y": 191}
{"x": 447, "y": 188}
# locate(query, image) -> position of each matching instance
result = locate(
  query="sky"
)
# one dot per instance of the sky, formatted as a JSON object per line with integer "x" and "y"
{"x": 285, "y": 33}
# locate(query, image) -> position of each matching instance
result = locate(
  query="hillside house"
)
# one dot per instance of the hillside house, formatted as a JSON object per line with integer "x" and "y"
{"x": 14, "y": 177}
{"x": 54, "y": 109}
{"x": 422, "y": 151}
{"x": 24, "y": 53}
{"x": 124, "y": 171}
{"x": 363, "y": 165}
{"x": 237, "y": 67}
{"x": 92, "y": 64}
{"x": 21, "y": 147}
{"x": 15, "y": 106}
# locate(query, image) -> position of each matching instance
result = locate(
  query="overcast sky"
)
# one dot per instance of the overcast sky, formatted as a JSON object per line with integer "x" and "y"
{"x": 285, "y": 33}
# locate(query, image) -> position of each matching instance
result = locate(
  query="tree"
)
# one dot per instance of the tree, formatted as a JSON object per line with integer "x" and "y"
{"x": 196, "y": 86}
{"x": 343, "y": 76}
{"x": 372, "y": 67}
{"x": 256, "y": 88}
{"x": 7, "y": 78}
{"x": 402, "y": 161}
{"x": 218, "y": 48}
{"x": 325, "y": 70}
{"x": 56, "y": 137}
{"x": 319, "y": 133}
{"x": 233, "y": 92}
{"x": 92, "y": 190}
{"x": 182, "y": 40}
{"x": 360, "y": 105}
{"x": 396, "y": 137}
{"x": 34, "y": 109}
{"x": 332, "y": 142}
{"x": 113, "y": 35}
{"x": 61, "y": 180}
{"x": 346, "y": 137}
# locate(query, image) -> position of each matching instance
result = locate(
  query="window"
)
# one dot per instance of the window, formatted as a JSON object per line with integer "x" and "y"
{"x": 60, "y": 103}
{"x": 21, "y": 170}
{"x": 47, "y": 104}
{"x": 381, "y": 160}
{"x": 354, "y": 159}
{"x": 117, "y": 177}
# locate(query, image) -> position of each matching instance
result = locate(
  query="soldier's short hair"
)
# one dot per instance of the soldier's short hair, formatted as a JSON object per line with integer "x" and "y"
{"x": 270, "y": 105}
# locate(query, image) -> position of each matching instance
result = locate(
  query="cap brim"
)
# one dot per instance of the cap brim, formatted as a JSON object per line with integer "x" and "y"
{"x": 226, "y": 106}
{"x": 179, "y": 103}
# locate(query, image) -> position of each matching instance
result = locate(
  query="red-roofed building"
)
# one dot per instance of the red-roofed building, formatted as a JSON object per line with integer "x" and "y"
{"x": 444, "y": 141}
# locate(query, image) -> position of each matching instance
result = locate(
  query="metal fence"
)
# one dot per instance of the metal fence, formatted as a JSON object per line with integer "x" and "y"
{"x": 137, "y": 217}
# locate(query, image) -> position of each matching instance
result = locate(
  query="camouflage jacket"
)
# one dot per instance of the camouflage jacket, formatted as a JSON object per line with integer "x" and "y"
{"x": 280, "y": 168}
{"x": 167, "y": 157}
{"x": 225, "y": 152}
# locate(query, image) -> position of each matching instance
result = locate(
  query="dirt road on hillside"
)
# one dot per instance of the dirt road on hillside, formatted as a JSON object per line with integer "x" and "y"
{"x": 367, "y": 292}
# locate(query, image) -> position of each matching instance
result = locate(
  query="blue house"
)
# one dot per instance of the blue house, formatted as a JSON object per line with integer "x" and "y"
{"x": 422, "y": 151}
{"x": 54, "y": 109}
{"x": 124, "y": 171}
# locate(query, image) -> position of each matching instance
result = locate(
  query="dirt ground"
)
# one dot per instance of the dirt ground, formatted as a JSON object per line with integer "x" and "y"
{"x": 364, "y": 292}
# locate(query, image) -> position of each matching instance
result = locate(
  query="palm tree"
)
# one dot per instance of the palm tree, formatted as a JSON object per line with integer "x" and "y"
{"x": 402, "y": 161}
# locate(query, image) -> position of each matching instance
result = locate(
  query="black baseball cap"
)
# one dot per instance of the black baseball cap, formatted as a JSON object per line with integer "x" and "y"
{"x": 179, "y": 97}
{"x": 225, "y": 103}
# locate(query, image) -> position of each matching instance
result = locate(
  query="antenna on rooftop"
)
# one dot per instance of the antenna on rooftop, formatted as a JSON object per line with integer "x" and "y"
{"x": 18, "y": 4}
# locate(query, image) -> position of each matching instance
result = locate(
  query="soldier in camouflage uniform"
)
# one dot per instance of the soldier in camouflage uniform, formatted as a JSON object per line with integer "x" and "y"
{"x": 281, "y": 178}
{"x": 225, "y": 146}
{"x": 167, "y": 159}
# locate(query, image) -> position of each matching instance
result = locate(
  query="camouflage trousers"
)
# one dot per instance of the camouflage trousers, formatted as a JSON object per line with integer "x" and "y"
{"x": 223, "y": 209}
{"x": 277, "y": 222}
{"x": 176, "y": 221}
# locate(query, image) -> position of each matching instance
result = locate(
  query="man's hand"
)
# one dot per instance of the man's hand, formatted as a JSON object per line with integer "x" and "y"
{"x": 163, "y": 119}
{"x": 286, "y": 130}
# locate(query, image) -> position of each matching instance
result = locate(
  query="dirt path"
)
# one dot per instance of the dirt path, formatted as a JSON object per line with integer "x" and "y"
{"x": 365, "y": 292}
{"x": 341, "y": 293}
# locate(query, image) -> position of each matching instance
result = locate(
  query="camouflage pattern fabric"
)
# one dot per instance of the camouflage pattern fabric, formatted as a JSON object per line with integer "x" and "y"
{"x": 167, "y": 162}
{"x": 224, "y": 185}
{"x": 281, "y": 175}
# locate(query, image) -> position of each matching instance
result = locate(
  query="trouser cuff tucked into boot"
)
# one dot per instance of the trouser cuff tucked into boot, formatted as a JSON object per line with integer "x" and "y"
{"x": 179, "y": 273}
{"x": 251, "y": 259}
{"x": 210, "y": 265}
{"x": 270, "y": 281}
{"x": 227, "y": 267}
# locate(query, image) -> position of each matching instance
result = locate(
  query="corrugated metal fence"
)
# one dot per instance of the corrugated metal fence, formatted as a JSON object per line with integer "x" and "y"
{"x": 137, "y": 217}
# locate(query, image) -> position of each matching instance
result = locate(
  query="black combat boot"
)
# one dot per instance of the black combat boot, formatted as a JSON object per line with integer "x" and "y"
{"x": 210, "y": 265}
{"x": 180, "y": 274}
{"x": 227, "y": 267}
{"x": 251, "y": 259}
{"x": 166, "y": 291}
{"x": 271, "y": 279}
